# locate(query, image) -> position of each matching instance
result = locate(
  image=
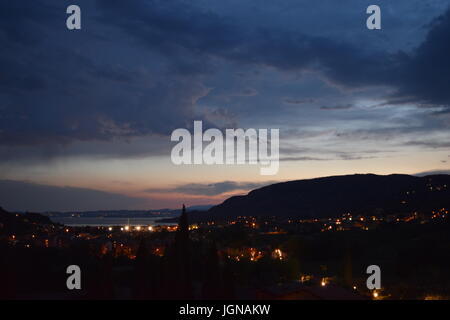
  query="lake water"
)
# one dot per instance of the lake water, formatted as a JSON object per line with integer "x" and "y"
{"x": 108, "y": 221}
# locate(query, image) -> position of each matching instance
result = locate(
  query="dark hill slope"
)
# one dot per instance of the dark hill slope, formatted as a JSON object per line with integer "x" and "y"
{"x": 332, "y": 196}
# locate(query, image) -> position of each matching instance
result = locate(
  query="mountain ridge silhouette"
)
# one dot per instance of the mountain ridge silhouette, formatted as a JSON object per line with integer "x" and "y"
{"x": 332, "y": 196}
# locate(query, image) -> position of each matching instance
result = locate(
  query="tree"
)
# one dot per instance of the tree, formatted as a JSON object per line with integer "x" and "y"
{"x": 178, "y": 277}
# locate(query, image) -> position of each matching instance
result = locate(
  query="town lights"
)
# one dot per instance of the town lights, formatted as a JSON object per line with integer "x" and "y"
{"x": 375, "y": 294}
{"x": 278, "y": 254}
{"x": 110, "y": 229}
{"x": 150, "y": 228}
{"x": 138, "y": 228}
{"x": 127, "y": 228}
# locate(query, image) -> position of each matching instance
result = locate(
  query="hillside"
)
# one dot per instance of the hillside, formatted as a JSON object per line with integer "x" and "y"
{"x": 20, "y": 223}
{"x": 332, "y": 196}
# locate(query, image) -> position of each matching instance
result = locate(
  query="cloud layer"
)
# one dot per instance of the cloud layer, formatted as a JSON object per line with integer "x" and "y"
{"x": 25, "y": 196}
{"x": 210, "y": 189}
{"x": 54, "y": 91}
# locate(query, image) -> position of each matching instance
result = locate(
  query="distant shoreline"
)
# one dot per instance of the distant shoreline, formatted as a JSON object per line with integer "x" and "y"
{"x": 112, "y": 221}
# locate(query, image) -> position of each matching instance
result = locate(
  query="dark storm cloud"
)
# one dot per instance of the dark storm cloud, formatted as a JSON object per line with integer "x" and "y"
{"x": 210, "y": 189}
{"x": 133, "y": 148}
{"x": 178, "y": 27}
{"x": 340, "y": 107}
{"x": 25, "y": 196}
{"x": 171, "y": 26}
{"x": 298, "y": 101}
{"x": 21, "y": 23}
{"x": 427, "y": 71}
{"x": 53, "y": 91}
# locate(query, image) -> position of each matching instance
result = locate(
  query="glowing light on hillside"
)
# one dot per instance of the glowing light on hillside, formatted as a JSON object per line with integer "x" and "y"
{"x": 304, "y": 278}
{"x": 278, "y": 254}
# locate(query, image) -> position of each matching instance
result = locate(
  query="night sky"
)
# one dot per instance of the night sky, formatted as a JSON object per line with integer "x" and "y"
{"x": 86, "y": 115}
